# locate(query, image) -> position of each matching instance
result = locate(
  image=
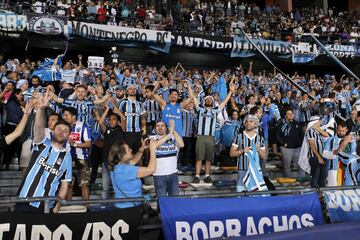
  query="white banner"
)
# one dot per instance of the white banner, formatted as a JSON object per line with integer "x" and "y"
{"x": 95, "y": 62}
{"x": 10, "y": 22}
{"x": 117, "y": 33}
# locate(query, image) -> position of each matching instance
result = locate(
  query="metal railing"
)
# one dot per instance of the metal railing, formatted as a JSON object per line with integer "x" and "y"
{"x": 10, "y": 201}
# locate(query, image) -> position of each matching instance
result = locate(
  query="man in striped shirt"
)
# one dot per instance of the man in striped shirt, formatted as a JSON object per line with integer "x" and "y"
{"x": 205, "y": 143}
{"x": 83, "y": 106}
{"x": 314, "y": 136}
{"x": 152, "y": 109}
{"x": 245, "y": 141}
{"x": 306, "y": 106}
{"x": 50, "y": 170}
{"x": 80, "y": 143}
{"x": 172, "y": 109}
{"x": 135, "y": 120}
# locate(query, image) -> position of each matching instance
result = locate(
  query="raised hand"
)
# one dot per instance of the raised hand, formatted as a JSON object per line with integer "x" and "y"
{"x": 28, "y": 107}
{"x": 171, "y": 125}
{"x": 152, "y": 145}
{"x": 44, "y": 100}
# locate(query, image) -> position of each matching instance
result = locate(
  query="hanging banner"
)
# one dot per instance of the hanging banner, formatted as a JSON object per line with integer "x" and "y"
{"x": 158, "y": 39}
{"x": 202, "y": 41}
{"x": 47, "y": 24}
{"x": 342, "y": 51}
{"x": 343, "y": 205}
{"x": 114, "y": 224}
{"x": 12, "y": 24}
{"x": 209, "y": 218}
{"x": 242, "y": 46}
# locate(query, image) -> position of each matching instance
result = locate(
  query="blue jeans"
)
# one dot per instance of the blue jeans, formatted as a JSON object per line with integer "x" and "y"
{"x": 167, "y": 185}
{"x": 106, "y": 182}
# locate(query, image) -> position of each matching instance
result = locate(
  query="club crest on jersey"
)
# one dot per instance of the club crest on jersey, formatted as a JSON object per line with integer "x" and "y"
{"x": 59, "y": 161}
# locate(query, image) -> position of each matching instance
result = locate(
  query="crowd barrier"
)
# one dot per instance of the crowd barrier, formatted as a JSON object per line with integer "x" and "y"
{"x": 198, "y": 216}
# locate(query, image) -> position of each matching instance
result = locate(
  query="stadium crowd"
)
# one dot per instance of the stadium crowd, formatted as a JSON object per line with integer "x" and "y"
{"x": 139, "y": 121}
{"x": 220, "y": 18}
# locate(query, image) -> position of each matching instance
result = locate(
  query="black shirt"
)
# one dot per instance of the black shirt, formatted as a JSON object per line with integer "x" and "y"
{"x": 2, "y": 144}
{"x": 293, "y": 138}
{"x": 111, "y": 136}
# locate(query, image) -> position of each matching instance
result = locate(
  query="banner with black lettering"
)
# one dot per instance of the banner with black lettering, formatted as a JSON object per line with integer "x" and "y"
{"x": 114, "y": 224}
{"x": 159, "y": 40}
{"x": 343, "y": 205}
{"x": 209, "y": 218}
{"x": 47, "y": 24}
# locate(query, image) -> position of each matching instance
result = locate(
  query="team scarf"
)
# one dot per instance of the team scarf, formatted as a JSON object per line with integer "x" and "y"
{"x": 352, "y": 171}
{"x": 253, "y": 179}
{"x": 285, "y": 127}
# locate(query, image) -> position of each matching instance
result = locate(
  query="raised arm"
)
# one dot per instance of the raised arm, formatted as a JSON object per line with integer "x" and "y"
{"x": 102, "y": 100}
{"x": 161, "y": 141}
{"x": 57, "y": 99}
{"x": 160, "y": 100}
{"x": 232, "y": 89}
{"x": 190, "y": 98}
{"x": 139, "y": 153}
{"x": 101, "y": 120}
{"x": 20, "y": 127}
{"x": 150, "y": 169}
{"x": 40, "y": 119}
{"x": 80, "y": 63}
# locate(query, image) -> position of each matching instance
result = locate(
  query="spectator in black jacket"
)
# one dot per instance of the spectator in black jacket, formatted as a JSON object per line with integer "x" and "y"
{"x": 14, "y": 114}
{"x": 289, "y": 135}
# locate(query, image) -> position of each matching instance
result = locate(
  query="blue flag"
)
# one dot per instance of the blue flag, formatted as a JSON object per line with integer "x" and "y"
{"x": 47, "y": 71}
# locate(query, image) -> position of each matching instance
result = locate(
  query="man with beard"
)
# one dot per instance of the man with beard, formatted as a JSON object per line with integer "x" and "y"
{"x": 166, "y": 174}
{"x": 35, "y": 86}
{"x": 333, "y": 152}
{"x": 50, "y": 169}
{"x": 248, "y": 146}
{"x": 172, "y": 109}
{"x": 134, "y": 118}
{"x": 125, "y": 79}
{"x": 83, "y": 106}
{"x": 205, "y": 143}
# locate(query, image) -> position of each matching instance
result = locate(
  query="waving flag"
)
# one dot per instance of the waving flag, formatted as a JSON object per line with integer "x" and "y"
{"x": 220, "y": 87}
{"x": 47, "y": 71}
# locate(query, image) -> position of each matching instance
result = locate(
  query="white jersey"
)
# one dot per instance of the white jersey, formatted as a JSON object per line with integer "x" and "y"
{"x": 166, "y": 157}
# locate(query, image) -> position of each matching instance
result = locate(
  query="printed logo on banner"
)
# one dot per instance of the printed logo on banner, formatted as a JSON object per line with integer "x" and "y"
{"x": 343, "y": 205}
{"x": 47, "y": 25}
{"x": 236, "y": 217}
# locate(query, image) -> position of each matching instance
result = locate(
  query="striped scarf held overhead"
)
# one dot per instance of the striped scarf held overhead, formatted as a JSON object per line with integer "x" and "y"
{"x": 253, "y": 179}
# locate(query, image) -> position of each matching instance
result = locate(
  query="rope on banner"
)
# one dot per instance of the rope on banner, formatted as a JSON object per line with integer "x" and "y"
{"x": 346, "y": 69}
{"x": 288, "y": 78}
{"x": 279, "y": 70}
{"x": 27, "y": 45}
